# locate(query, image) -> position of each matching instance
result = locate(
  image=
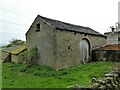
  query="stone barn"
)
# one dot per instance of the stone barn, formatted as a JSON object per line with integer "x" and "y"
{"x": 61, "y": 45}
{"x": 14, "y": 54}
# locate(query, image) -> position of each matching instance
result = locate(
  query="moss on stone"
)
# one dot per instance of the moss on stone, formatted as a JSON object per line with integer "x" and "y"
{"x": 18, "y": 50}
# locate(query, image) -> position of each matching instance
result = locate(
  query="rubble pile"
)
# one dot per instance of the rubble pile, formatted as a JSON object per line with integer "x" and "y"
{"x": 110, "y": 81}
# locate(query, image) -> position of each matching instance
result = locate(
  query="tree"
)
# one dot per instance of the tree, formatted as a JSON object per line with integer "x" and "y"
{"x": 16, "y": 42}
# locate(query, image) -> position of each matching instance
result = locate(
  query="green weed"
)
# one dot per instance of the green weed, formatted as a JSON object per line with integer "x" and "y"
{"x": 20, "y": 76}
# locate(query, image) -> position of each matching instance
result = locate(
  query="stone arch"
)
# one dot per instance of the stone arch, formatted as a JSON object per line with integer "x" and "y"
{"x": 84, "y": 51}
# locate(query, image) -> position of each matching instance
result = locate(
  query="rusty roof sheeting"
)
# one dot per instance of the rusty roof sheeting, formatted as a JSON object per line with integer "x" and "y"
{"x": 115, "y": 47}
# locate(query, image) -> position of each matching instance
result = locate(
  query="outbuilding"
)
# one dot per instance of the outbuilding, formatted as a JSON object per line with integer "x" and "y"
{"x": 61, "y": 45}
{"x": 14, "y": 54}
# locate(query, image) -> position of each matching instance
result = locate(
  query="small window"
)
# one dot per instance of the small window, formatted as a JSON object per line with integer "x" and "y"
{"x": 37, "y": 27}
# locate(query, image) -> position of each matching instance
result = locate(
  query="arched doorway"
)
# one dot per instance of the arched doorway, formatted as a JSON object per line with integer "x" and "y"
{"x": 84, "y": 51}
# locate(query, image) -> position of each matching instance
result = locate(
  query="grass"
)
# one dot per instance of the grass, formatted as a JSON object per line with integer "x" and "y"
{"x": 17, "y": 76}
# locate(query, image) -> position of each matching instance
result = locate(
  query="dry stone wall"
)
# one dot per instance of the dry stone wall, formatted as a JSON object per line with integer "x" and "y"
{"x": 111, "y": 81}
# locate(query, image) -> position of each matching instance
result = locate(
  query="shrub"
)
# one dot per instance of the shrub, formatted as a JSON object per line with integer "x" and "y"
{"x": 31, "y": 56}
{"x": 15, "y": 42}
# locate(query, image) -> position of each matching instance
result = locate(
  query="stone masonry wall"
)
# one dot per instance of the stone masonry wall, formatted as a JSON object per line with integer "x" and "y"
{"x": 14, "y": 58}
{"x": 68, "y": 47}
{"x": 44, "y": 40}
{"x": 112, "y": 38}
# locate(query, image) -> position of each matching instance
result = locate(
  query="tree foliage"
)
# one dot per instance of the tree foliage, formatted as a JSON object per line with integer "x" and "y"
{"x": 15, "y": 42}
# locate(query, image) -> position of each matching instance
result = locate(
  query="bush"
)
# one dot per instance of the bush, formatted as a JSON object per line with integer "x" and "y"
{"x": 32, "y": 55}
{"x": 15, "y": 42}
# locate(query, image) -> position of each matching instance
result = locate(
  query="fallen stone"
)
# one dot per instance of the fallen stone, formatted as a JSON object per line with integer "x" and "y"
{"x": 110, "y": 75}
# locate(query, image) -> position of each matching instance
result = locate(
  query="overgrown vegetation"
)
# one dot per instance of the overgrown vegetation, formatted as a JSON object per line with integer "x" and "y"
{"x": 20, "y": 76}
{"x": 15, "y": 42}
{"x": 30, "y": 56}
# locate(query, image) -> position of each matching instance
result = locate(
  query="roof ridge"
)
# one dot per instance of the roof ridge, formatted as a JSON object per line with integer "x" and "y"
{"x": 70, "y": 27}
{"x": 63, "y": 22}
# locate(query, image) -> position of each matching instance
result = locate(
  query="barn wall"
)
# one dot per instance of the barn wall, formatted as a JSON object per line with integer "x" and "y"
{"x": 14, "y": 58}
{"x": 97, "y": 41}
{"x": 21, "y": 57}
{"x": 68, "y": 47}
{"x": 44, "y": 40}
{"x": 112, "y": 38}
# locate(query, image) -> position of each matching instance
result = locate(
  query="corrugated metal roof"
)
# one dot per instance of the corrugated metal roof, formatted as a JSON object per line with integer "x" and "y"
{"x": 110, "y": 47}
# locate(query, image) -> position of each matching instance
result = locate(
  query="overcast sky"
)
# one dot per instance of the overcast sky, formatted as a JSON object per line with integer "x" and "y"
{"x": 17, "y": 15}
